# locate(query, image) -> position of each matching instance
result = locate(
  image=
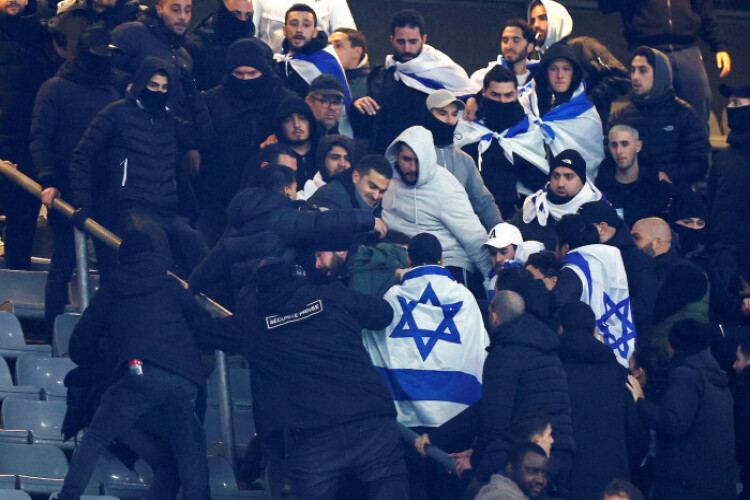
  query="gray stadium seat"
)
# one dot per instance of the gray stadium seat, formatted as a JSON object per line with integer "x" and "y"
{"x": 26, "y": 290}
{"x": 111, "y": 477}
{"x": 7, "y": 481}
{"x": 86, "y": 497}
{"x": 43, "y": 418}
{"x": 14, "y": 495}
{"x": 12, "y": 341}
{"x": 7, "y": 389}
{"x": 62, "y": 331}
{"x": 48, "y": 373}
{"x": 40, "y": 468}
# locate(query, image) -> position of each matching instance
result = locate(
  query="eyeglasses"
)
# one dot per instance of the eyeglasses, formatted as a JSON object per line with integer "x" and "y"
{"x": 501, "y": 251}
{"x": 329, "y": 102}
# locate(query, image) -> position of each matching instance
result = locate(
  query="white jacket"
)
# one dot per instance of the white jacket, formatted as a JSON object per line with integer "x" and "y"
{"x": 437, "y": 204}
{"x": 268, "y": 16}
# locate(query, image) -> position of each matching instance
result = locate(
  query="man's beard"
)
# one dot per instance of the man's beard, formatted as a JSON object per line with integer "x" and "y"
{"x": 400, "y": 57}
{"x": 649, "y": 249}
{"x": 337, "y": 268}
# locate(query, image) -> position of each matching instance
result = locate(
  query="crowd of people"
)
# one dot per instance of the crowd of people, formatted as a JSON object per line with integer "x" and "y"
{"x": 539, "y": 267}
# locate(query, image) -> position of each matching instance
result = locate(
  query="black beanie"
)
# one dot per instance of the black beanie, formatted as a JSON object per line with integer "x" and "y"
{"x": 687, "y": 204}
{"x": 576, "y": 316}
{"x": 246, "y": 52}
{"x": 596, "y": 212}
{"x": 424, "y": 249}
{"x": 689, "y": 336}
{"x": 571, "y": 159}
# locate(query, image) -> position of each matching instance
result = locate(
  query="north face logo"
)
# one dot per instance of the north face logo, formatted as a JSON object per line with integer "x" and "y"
{"x": 567, "y": 161}
{"x": 669, "y": 128}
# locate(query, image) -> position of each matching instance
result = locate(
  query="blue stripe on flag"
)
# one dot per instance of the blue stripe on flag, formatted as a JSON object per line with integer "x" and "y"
{"x": 427, "y": 271}
{"x": 431, "y": 385}
{"x": 571, "y": 109}
{"x": 328, "y": 64}
{"x": 577, "y": 259}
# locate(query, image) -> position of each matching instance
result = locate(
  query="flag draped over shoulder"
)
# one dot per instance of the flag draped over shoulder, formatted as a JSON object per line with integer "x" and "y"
{"x": 571, "y": 125}
{"x": 523, "y": 139}
{"x": 433, "y": 70}
{"x": 605, "y": 290}
{"x": 432, "y": 353}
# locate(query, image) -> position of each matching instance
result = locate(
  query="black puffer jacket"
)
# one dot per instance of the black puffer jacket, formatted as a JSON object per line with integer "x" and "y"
{"x": 674, "y": 138}
{"x": 139, "y": 150}
{"x": 239, "y": 127}
{"x": 522, "y": 377}
{"x": 23, "y": 68}
{"x": 209, "y": 41}
{"x": 64, "y": 108}
{"x": 141, "y": 313}
{"x": 694, "y": 431}
{"x": 606, "y": 426}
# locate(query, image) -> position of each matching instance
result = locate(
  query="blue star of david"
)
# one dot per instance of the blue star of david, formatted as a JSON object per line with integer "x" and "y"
{"x": 426, "y": 339}
{"x": 620, "y": 311}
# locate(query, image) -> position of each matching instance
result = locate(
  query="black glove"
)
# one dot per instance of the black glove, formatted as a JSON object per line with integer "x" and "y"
{"x": 79, "y": 218}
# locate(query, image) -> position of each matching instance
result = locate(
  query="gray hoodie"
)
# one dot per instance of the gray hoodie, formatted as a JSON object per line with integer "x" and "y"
{"x": 437, "y": 204}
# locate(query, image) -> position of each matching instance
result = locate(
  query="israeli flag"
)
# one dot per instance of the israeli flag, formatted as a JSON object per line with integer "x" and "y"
{"x": 605, "y": 290}
{"x": 572, "y": 125}
{"x": 432, "y": 353}
{"x": 433, "y": 70}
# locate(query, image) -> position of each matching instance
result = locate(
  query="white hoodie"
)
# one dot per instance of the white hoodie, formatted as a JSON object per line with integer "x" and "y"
{"x": 559, "y": 22}
{"x": 437, "y": 204}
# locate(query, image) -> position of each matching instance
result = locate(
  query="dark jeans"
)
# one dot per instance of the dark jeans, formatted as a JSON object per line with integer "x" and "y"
{"x": 690, "y": 80}
{"x": 61, "y": 269}
{"x": 212, "y": 222}
{"x": 369, "y": 449}
{"x": 158, "y": 402}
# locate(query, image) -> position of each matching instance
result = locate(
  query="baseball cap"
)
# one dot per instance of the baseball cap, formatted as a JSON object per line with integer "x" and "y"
{"x": 442, "y": 98}
{"x": 504, "y": 234}
{"x": 739, "y": 91}
{"x": 326, "y": 84}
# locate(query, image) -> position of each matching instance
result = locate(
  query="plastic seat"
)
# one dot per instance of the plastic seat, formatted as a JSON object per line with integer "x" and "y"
{"x": 43, "y": 418}
{"x": 7, "y": 482}
{"x": 87, "y": 497}
{"x": 48, "y": 373}
{"x": 112, "y": 477}
{"x": 239, "y": 383}
{"x": 7, "y": 389}
{"x": 14, "y": 495}
{"x": 40, "y": 469}
{"x": 62, "y": 331}
{"x": 26, "y": 290}
{"x": 12, "y": 341}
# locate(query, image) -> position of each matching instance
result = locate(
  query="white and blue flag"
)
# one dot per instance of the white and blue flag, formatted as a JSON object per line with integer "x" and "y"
{"x": 432, "y": 354}
{"x": 605, "y": 290}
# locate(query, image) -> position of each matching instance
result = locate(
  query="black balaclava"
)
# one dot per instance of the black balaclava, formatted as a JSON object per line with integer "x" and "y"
{"x": 247, "y": 52}
{"x": 232, "y": 28}
{"x": 499, "y": 116}
{"x": 688, "y": 204}
{"x": 154, "y": 102}
{"x": 442, "y": 133}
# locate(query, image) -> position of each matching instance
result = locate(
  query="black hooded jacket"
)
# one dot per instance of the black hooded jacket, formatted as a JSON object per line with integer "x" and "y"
{"x": 306, "y": 167}
{"x": 263, "y": 224}
{"x": 24, "y": 66}
{"x": 138, "y": 150}
{"x": 64, "y": 108}
{"x": 522, "y": 377}
{"x": 209, "y": 42}
{"x": 239, "y": 126}
{"x": 674, "y": 138}
{"x": 606, "y": 426}
{"x": 547, "y": 98}
{"x": 308, "y": 365}
{"x": 694, "y": 430}
{"x": 141, "y": 313}
{"x": 292, "y": 80}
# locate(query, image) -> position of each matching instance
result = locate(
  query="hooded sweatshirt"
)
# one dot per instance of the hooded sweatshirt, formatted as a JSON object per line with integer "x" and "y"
{"x": 559, "y": 24}
{"x": 674, "y": 138}
{"x": 437, "y": 204}
{"x": 306, "y": 168}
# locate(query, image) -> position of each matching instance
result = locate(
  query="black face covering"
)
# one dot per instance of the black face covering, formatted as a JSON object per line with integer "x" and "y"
{"x": 442, "y": 133}
{"x": 690, "y": 239}
{"x": 231, "y": 27}
{"x": 93, "y": 65}
{"x": 739, "y": 118}
{"x": 556, "y": 199}
{"x": 248, "y": 90}
{"x": 153, "y": 101}
{"x": 499, "y": 116}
